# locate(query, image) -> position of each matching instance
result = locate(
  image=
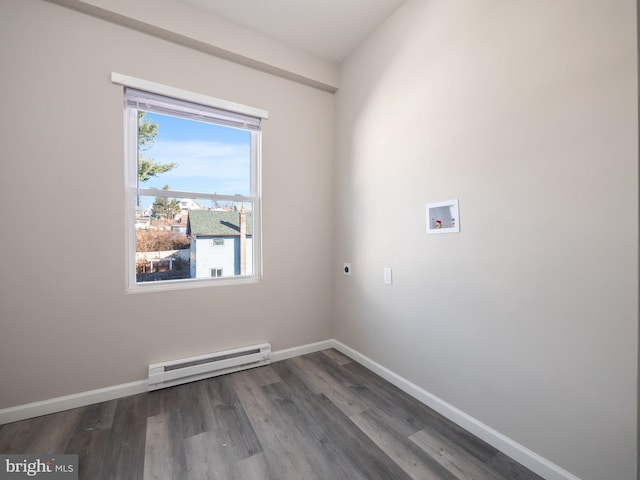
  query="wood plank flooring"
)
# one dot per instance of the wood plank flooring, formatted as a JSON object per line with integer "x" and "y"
{"x": 320, "y": 416}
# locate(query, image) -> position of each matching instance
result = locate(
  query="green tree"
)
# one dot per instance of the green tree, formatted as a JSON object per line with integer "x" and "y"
{"x": 147, "y": 132}
{"x": 165, "y": 208}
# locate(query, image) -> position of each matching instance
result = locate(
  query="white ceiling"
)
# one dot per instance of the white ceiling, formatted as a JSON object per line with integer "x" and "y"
{"x": 328, "y": 28}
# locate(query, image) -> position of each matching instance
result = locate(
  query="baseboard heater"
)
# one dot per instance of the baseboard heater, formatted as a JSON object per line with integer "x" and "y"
{"x": 168, "y": 374}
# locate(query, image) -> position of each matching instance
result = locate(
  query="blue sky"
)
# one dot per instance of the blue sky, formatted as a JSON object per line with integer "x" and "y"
{"x": 211, "y": 158}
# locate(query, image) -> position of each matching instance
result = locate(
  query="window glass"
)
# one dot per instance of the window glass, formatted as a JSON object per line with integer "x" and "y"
{"x": 194, "y": 192}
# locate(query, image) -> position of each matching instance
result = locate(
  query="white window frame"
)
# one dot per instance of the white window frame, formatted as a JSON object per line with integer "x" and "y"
{"x": 133, "y": 190}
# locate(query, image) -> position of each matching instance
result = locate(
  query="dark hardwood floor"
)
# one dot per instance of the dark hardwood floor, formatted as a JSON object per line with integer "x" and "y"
{"x": 319, "y": 416}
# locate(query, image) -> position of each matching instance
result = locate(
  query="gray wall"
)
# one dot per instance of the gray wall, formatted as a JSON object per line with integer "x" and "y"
{"x": 67, "y": 325}
{"x": 527, "y": 319}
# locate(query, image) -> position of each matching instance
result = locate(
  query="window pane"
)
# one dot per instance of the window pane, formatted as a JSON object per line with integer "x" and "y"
{"x": 204, "y": 157}
{"x": 181, "y": 238}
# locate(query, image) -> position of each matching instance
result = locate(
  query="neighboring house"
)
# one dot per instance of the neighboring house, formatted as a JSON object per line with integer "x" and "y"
{"x": 221, "y": 243}
{"x": 180, "y": 223}
{"x": 147, "y": 213}
{"x": 177, "y": 224}
{"x": 187, "y": 204}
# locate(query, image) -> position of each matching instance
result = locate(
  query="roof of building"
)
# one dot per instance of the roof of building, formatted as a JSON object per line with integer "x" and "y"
{"x": 217, "y": 222}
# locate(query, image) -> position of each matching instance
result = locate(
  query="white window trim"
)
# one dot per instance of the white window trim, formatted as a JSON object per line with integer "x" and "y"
{"x": 132, "y": 190}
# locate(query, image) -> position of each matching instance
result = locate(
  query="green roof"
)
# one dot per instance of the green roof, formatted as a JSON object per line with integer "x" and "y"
{"x": 216, "y": 222}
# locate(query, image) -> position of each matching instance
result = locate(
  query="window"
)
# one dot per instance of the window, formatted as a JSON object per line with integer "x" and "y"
{"x": 216, "y": 272}
{"x": 193, "y": 187}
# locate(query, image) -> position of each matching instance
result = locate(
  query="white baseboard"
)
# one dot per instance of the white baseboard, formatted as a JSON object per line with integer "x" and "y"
{"x": 519, "y": 453}
{"x": 301, "y": 350}
{"x": 59, "y": 404}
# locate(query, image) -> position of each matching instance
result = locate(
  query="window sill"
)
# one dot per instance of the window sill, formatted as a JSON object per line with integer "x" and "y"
{"x": 169, "y": 285}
